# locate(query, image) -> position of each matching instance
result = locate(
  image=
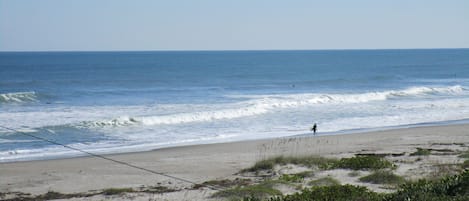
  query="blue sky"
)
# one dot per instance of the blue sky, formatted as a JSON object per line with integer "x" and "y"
{"x": 54, "y": 25}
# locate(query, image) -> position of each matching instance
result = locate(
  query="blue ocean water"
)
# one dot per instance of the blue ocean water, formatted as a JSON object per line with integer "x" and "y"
{"x": 109, "y": 102}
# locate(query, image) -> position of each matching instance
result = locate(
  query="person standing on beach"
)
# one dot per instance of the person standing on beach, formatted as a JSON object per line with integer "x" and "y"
{"x": 314, "y": 128}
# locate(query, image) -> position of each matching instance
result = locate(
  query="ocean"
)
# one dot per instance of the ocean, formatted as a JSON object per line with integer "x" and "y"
{"x": 115, "y": 102}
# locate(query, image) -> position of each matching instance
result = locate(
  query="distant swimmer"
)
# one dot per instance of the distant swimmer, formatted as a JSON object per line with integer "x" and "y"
{"x": 314, "y": 128}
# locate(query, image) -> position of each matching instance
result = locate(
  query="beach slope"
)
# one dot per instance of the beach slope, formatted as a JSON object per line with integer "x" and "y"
{"x": 201, "y": 163}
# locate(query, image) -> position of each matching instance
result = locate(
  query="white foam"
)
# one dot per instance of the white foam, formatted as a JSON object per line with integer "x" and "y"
{"x": 362, "y": 97}
{"x": 18, "y": 97}
{"x": 121, "y": 116}
{"x": 403, "y": 113}
{"x": 203, "y": 116}
{"x": 15, "y": 141}
{"x": 60, "y": 115}
{"x": 263, "y": 104}
{"x": 417, "y": 91}
{"x": 144, "y": 127}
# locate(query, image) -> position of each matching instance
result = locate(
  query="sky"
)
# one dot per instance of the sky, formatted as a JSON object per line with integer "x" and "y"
{"x": 119, "y": 25}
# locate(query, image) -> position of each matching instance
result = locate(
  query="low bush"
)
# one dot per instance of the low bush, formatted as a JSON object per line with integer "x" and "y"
{"x": 259, "y": 191}
{"x": 335, "y": 192}
{"x": 465, "y": 164}
{"x": 421, "y": 152}
{"x": 224, "y": 183}
{"x": 114, "y": 191}
{"x": 291, "y": 178}
{"x": 354, "y": 174}
{"x": 305, "y": 174}
{"x": 326, "y": 181}
{"x": 354, "y": 163}
{"x": 382, "y": 177}
{"x": 52, "y": 195}
{"x": 450, "y": 188}
{"x": 464, "y": 154}
{"x": 261, "y": 165}
{"x": 308, "y": 161}
{"x": 363, "y": 163}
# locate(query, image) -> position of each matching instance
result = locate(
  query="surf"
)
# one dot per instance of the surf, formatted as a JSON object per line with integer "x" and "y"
{"x": 19, "y": 97}
{"x": 264, "y": 104}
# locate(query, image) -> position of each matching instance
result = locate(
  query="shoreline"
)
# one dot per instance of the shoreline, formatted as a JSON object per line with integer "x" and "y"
{"x": 334, "y": 133}
{"x": 200, "y": 163}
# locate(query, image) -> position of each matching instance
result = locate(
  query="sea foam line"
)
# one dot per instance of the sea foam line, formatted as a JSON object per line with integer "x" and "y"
{"x": 18, "y": 97}
{"x": 261, "y": 104}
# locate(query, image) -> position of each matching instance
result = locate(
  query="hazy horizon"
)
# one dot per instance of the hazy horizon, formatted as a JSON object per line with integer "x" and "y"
{"x": 234, "y": 50}
{"x": 210, "y": 25}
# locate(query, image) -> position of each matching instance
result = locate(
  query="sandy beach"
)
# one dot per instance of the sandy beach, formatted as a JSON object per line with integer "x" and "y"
{"x": 201, "y": 163}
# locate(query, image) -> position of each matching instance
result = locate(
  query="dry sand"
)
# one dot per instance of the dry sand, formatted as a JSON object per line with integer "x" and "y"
{"x": 201, "y": 163}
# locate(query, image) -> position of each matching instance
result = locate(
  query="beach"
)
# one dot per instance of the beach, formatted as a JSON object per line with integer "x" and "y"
{"x": 231, "y": 101}
{"x": 200, "y": 163}
{"x": 192, "y": 125}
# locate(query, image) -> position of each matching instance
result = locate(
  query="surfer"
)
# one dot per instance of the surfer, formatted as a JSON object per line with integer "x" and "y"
{"x": 314, "y": 128}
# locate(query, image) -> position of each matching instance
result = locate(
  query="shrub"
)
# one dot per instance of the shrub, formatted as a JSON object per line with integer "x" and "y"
{"x": 52, "y": 195}
{"x": 261, "y": 165}
{"x": 259, "y": 191}
{"x": 354, "y": 174}
{"x": 156, "y": 189}
{"x": 464, "y": 154}
{"x": 363, "y": 163}
{"x": 382, "y": 177}
{"x": 335, "y": 192}
{"x": 449, "y": 188}
{"x": 465, "y": 164}
{"x": 308, "y": 161}
{"x": 224, "y": 183}
{"x": 291, "y": 178}
{"x": 305, "y": 174}
{"x": 114, "y": 191}
{"x": 354, "y": 163}
{"x": 421, "y": 152}
{"x": 326, "y": 181}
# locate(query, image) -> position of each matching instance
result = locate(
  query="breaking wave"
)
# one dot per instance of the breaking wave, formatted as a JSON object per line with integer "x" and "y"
{"x": 179, "y": 118}
{"x": 261, "y": 104}
{"x": 18, "y": 97}
{"x": 418, "y": 91}
{"x": 368, "y": 96}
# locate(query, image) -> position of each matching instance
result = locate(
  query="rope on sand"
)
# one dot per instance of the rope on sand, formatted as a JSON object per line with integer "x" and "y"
{"x": 110, "y": 159}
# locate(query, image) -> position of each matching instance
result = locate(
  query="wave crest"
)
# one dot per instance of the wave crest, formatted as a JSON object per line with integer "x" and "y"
{"x": 418, "y": 91}
{"x": 259, "y": 105}
{"x": 18, "y": 97}
{"x": 179, "y": 118}
{"x": 121, "y": 121}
